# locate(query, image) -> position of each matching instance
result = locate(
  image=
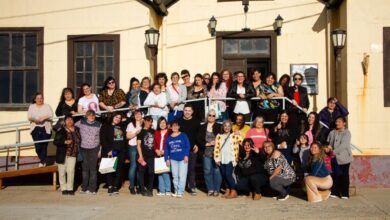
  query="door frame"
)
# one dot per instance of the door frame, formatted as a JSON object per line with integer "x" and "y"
{"x": 247, "y": 34}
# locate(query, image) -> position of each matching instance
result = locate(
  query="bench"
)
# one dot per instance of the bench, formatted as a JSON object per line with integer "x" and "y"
{"x": 25, "y": 172}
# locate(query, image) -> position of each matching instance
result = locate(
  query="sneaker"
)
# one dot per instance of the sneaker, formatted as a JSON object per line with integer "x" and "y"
{"x": 144, "y": 193}
{"x": 70, "y": 192}
{"x": 283, "y": 198}
{"x": 210, "y": 193}
{"x": 333, "y": 196}
{"x": 168, "y": 194}
{"x": 179, "y": 196}
{"x": 344, "y": 197}
{"x": 192, "y": 192}
{"x": 132, "y": 190}
{"x": 115, "y": 191}
{"x": 110, "y": 190}
{"x": 93, "y": 193}
{"x": 84, "y": 192}
{"x": 41, "y": 165}
{"x": 174, "y": 195}
{"x": 216, "y": 194}
{"x": 65, "y": 192}
{"x": 160, "y": 194}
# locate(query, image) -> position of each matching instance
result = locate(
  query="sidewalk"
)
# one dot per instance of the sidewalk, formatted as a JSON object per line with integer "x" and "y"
{"x": 38, "y": 202}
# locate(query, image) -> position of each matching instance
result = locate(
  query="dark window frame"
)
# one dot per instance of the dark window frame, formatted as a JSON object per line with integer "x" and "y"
{"x": 386, "y": 66}
{"x": 72, "y": 39}
{"x": 40, "y": 65}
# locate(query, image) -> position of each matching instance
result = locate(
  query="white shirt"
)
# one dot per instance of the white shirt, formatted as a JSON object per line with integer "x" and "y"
{"x": 131, "y": 128}
{"x": 89, "y": 104}
{"x": 226, "y": 152}
{"x": 161, "y": 100}
{"x": 241, "y": 106}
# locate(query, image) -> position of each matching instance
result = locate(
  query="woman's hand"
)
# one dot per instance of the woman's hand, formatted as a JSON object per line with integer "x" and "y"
{"x": 185, "y": 159}
{"x": 109, "y": 153}
{"x": 168, "y": 162}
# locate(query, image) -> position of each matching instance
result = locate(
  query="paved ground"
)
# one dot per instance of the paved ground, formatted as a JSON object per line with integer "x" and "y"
{"x": 38, "y": 202}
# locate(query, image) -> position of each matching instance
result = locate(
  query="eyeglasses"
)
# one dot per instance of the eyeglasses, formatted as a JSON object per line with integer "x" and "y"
{"x": 212, "y": 116}
{"x": 298, "y": 79}
{"x": 111, "y": 82}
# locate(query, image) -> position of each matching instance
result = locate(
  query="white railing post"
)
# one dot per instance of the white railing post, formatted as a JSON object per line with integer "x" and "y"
{"x": 17, "y": 149}
{"x": 205, "y": 108}
{"x": 284, "y": 103}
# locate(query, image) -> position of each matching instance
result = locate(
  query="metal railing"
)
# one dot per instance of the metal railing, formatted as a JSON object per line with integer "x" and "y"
{"x": 21, "y": 125}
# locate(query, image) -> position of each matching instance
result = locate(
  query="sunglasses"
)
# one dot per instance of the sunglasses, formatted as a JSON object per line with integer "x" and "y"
{"x": 298, "y": 79}
{"x": 111, "y": 82}
{"x": 212, "y": 116}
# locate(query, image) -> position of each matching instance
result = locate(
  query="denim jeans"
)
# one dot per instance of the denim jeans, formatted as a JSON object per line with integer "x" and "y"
{"x": 179, "y": 173}
{"x": 164, "y": 183}
{"x": 212, "y": 176}
{"x": 39, "y": 134}
{"x": 227, "y": 175}
{"x": 133, "y": 164}
{"x": 89, "y": 169}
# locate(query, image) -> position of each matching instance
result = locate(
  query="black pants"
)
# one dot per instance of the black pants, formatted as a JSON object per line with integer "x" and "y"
{"x": 341, "y": 183}
{"x": 191, "y": 170}
{"x": 148, "y": 169}
{"x": 252, "y": 183}
{"x": 89, "y": 169}
{"x": 115, "y": 179}
{"x": 39, "y": 134}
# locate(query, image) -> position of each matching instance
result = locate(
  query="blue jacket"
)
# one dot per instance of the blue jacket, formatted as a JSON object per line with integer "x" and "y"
{"x": 318, "y": 169}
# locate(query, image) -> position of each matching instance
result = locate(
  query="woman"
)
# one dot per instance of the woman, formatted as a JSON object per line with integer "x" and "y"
{"x": 157, "y": 102}
{"x": 160, "y": 137}
{"x": 217, "y": 90}
{"x": 298, "y": 94}
{"x": 340, "y": 141}
{"x": 258, "y": 133}
{"x": 87, "y": 100}
{"x": 319, "y": 181}
{"x": 281, "y": 173}
{"x": 227, "y": 77}
{"x": 312, "y": 128}
{"x": 145, "y": 149}
{"x": 144, "y": 92}
{"x": 250, "y": 170}
{"x": 176, "y": 95}
{"x": 242, "y": 91}
{"x": 176, "y": 153}
{"x": 284, "y": 82}
{"x": 284, "y": 136}
{"x": 226, "y": 156}
{"x": 256, "y": 82}
{"x": 206, "y": 79}
{"x": 111, "y": 97}
{"x": 132, "y": 96}
{"x": 89, "y": 148}
{"x": 68, "y": 141}
{"x": 39, "y": 114}
{"x": 269, "y": 107}
{"x": 162, "y": 80}
{"x": 67, "y": 105}
{"x": 206, "y": 141}
{"x": 328, "y": 115}
{"x": 197, "y": 91}
{"x": 113, "y": 142}
{"x": 239, "y": 127}
{"x": 132, "y": 130}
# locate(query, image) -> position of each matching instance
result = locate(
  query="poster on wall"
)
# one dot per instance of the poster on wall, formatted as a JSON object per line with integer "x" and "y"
{"x": 310, "y": 76}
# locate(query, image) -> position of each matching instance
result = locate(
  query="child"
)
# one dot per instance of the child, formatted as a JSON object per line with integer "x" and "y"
{"x": 302, "y": 148}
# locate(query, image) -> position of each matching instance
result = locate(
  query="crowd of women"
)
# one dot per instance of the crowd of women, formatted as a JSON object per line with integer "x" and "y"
{"x": 168, "y": 122}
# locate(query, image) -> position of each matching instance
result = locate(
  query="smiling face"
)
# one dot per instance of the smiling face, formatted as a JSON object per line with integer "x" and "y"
{"x": 69, "y": 122}
{"x": 38, "y": 99}
{"x": 256, "y": 76}
{"x": 138, "y": 116}
{"x": 162, "y": 81}
{"x": 175, "y": 127}
{"x": 225, "y": 76}
{"x": 188, "y": 112}
{"x": 68, "y": 96}
{"x": 247, "y": 146}
{"x": 311, "y": 119}
{"x": 340, "y": 124}
{"x": 240, "y": 78}
{"x": 297, "y": 80}
{"x": 163, "y": 125}
{"x": 270, "y": 80}
{"x": 332, "y": 105}
{"x": 211, "y": 117}
{"x": 156, "y": 89}
{"x": 135, "y": 85}
{"x": 268, "y": 148}
{"x": 148, "y": 124}
{"x": 284, "y": 118}
{"x": 315, "y": 149}
{"x": 111, "y": 84}
{"x": 145, "y": 84}
{"x": 175, "y": 79}
{"x": 259, "y": 123}
{"x": 117, "y": 119}
{"x": 240, "y": 120}
{"x": 227, "y": 128}
{"x": 87, "y": 90}
{"x": 215, "y": 79}
{"x": 198, "y": 81}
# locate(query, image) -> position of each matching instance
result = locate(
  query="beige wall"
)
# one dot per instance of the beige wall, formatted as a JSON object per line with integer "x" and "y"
{"x": 369, "y": 120}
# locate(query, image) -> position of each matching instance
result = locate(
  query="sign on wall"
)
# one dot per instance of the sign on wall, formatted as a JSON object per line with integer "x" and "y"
{"x": 310, "y": 76}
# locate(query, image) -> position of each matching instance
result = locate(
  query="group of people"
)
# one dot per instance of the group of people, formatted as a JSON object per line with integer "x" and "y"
{"x": 168, "y": 122}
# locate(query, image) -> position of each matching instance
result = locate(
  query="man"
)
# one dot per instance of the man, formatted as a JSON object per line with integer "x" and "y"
{"x": 190, "y": 126}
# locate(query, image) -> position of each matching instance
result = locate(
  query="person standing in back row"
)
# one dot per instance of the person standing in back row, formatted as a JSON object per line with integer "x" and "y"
{"x": 190, "y": 126}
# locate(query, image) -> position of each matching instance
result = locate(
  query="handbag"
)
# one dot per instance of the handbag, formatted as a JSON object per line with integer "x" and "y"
{"x": 108, "y": 165}
{"x": 160, "y": 166}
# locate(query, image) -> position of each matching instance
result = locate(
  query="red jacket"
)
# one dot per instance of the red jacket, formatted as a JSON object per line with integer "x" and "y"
{"x": 157, "y": 140}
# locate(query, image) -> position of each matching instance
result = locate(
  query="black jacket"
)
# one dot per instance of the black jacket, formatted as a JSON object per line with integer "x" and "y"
{"x": 201, "y": 138}
{"x": 303, "y": 96}
{"x": 107, "y": 140}
{"x": 59, "y": 141}
{"x": 250, "y": 92}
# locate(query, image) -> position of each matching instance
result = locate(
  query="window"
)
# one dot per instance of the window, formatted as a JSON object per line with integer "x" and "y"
{"x": 386, "y": 66}
{"x": 250, "y": 46}
{"x": 91, "y": 59}
{"x": 21, "y": 66}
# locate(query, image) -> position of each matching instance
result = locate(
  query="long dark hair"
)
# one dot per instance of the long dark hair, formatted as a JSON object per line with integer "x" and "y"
{"x": 211, "y": 81}
{"x": 280, "y": 118}
{"x": 109, "y": 122}
{"x": 316, "y": 125}
{"x": 132, "y": 80}
{"x": 198, "y": 75}
{"x": 159, "y": 121}
{"x": 241, "y": 151}
{"x": 65, "y": 90}
{"x": 81, "y": 93}
{"x": 105, "y": 84}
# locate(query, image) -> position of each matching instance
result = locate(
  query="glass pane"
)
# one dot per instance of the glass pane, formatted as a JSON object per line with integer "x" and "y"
{"x": 79, "y": 79}
{"x": 88, "y": 64}
{"x": 230, "y": 46}
{"x": 17, "y": 86}
{"x": 254, "y": 46}
{"x": 100, "y": 78}
{"x": 79, "y": 49}
{"x": 31, "y": 50}
{"x": 262, "y": 46}
{"x": 100, "y": 64}
{"x": 100, "y": 48}
{"x": 109, "y": 64}
{"x": 109, "y": 74}
{"x": 109, "y": 48}
{"x": 4, "y": 50}
{"x": 17, "y": 50}
{"x": 31, "y": 84}
{"x": 88, "y": 49}
{"x": 246, "y": 46}
{"x": 79, "y": 64}
{"x": 4, "y": 86}
{"x": 88, "y": 78}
